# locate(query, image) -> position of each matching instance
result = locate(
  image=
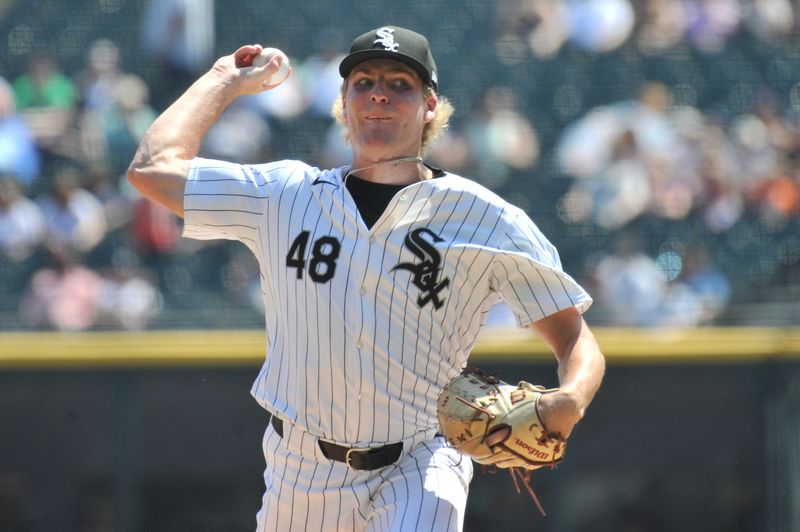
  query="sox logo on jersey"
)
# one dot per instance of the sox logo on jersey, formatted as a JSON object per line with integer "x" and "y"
{"x": 427, "y": 272}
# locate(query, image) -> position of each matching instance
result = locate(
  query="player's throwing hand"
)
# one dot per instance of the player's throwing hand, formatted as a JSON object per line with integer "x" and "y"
{"x": 254, "y": 68}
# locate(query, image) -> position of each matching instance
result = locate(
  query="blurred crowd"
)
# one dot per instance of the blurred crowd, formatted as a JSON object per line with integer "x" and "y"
{"x": 653, "y": 190}
{"x": 652, "y": 26}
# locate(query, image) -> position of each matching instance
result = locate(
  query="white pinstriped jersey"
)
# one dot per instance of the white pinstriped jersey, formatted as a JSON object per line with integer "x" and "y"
{"x": 365, "y": 326}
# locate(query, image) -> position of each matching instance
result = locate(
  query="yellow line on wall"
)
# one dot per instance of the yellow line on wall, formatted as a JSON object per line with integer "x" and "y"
{"x": 624, "y": 345}
{"x": 149, "y": 349}
{"x": 145, "y": 349}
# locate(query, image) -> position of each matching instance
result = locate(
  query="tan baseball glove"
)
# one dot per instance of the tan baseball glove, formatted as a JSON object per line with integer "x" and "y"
{"x": 498, "y": 424}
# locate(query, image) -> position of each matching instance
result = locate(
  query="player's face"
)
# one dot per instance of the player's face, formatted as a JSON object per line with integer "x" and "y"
{"x": 386, "y": 110}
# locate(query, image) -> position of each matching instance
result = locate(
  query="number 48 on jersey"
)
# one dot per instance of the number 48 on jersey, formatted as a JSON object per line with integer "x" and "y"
{"x": 324, "y": 253}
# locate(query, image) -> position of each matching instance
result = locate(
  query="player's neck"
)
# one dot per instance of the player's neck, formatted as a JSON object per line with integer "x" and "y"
{"x": 400, "y": 170}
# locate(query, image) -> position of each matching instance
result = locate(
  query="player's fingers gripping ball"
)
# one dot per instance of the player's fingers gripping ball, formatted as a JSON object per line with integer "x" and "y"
{"x": 496, "y": 423}
{"x": 272, "y": 58}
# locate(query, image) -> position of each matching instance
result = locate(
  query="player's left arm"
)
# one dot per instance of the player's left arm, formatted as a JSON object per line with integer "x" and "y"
{"x": 581, "y": 366}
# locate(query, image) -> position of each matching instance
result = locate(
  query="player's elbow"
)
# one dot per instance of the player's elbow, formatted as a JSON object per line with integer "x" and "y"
{"x": 141, "y": 169}
{"x": 137, "y": 177}
{"x": 143, "y": 179}
{"x": 163, "y": 184}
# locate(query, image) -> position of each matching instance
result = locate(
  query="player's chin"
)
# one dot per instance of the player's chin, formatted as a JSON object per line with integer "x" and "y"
{"x": 378, "y": 127}
{"x": 379, "y": 139}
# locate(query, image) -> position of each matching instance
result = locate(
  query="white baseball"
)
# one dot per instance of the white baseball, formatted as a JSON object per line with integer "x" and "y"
{"x": 279, "y": 75}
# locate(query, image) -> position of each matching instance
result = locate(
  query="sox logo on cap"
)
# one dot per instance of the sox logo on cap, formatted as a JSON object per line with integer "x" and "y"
{"x": 386, "y": 39}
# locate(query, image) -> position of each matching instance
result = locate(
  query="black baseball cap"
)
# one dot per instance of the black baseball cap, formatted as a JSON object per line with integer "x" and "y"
{"x": 396, "y": 43}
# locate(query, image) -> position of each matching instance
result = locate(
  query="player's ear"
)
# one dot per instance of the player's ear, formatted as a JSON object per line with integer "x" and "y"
{"x": 431, "y": 102}
{"x": 343, "y": 95}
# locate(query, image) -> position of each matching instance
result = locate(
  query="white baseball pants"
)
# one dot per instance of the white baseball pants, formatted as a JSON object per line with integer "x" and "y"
{"x": 426, "y": 489}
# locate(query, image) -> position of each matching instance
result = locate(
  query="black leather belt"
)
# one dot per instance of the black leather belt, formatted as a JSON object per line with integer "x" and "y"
{"x": 355, "y": 458}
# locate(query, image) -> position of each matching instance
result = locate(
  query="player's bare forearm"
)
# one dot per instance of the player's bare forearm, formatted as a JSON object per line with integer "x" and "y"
{"x": 161, "y": 163}
{"x": 581, "y": 366}
{"x": 180, "y": 130}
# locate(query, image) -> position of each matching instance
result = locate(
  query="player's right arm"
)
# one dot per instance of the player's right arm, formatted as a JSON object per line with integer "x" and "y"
{"x": 161, "y": 164}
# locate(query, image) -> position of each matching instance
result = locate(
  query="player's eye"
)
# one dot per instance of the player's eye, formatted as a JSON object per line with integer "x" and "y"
{"x": 400, "y": 84}
{"x": 363, "y": 83}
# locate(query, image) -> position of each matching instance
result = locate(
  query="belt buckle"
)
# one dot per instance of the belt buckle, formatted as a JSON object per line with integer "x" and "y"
{"x": 351, "y": 450}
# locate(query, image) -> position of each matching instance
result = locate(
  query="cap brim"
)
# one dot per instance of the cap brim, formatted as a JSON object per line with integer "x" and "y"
{"x": 350, "y": 62}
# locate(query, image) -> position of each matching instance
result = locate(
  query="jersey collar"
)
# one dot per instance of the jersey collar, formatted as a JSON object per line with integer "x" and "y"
{"x": 330, "y": 177}
{"x": 334, "y": 175}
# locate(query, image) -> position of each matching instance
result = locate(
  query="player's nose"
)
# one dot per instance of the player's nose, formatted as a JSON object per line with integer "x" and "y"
{"x": 378, "y": 94}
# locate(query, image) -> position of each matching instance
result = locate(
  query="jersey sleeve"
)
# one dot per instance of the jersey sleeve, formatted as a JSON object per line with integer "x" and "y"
{"x": 527, "y": 272}
{"x": 226, "y": 200}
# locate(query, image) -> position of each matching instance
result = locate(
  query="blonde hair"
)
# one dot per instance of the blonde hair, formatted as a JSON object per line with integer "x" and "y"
{"x": 441, "y": 119}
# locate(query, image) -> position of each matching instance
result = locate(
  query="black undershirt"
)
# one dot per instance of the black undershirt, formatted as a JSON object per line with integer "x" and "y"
{"x": 373, "y": 198}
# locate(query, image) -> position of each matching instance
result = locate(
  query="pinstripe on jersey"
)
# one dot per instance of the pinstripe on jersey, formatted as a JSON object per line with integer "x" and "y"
{"x": 365, "y": 326}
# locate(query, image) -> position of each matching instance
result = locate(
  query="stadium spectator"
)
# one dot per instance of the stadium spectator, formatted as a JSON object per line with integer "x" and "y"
{"x": 21, "y": 222}
{"x": 710, "y": 23}
{"x": 18, "y": 152}
{"x": 628, "y": 284}
{"x": 662, "y": 25}
{"x": 620, "y": 153}
{"x": 111, "y": 129}
{"x": 452, "y": 150}
{"x": 771, "y": 20}
{"x": 540, "y": 25}
{"x": 179, "y": 36}
{"x": 242, "y": 133}
{"x": 155, "y": 231}
{"x": 549, "y": 26}
{"x": 43, "y": 85}
{"x": 706, "y": 283}
{"x": 63, "y": 295}
{"x": 600, "y": 25}
{"x": 47, "y": 100}
{"x": 129, "y": 298}
{"x": 73, "y": 216}
{"x": 502, "y": 140}
{"x": 319, "y": 73}
{"x": 99, "y": 76}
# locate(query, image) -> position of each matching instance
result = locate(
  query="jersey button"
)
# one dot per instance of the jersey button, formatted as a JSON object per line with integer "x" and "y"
{"x": 363, "y": 291}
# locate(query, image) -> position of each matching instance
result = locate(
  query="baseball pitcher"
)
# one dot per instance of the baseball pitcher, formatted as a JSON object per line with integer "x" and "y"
{"x": 377, "y": 278}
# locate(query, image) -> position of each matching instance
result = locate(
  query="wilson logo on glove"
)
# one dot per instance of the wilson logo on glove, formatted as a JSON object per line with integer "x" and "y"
{"x": 533, "y": 451}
